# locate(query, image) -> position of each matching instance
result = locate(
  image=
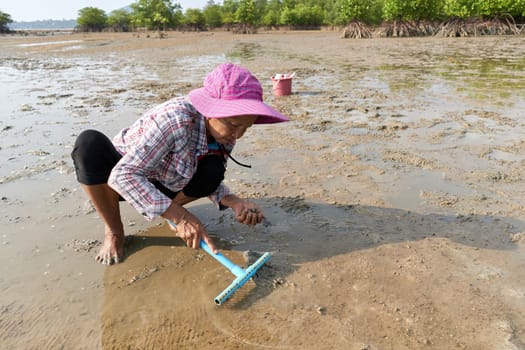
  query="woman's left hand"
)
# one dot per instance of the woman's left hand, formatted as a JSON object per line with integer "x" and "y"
{"x": 246, "y": 212}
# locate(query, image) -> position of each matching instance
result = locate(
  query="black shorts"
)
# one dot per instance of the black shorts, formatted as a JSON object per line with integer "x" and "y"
{"x": 94, "y": 156}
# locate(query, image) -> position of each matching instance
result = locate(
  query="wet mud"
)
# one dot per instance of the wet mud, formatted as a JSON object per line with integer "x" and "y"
{"x": 393, "y": 197}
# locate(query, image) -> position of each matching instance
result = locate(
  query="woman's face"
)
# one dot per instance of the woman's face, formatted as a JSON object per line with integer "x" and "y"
{"x": 227, "y": 130}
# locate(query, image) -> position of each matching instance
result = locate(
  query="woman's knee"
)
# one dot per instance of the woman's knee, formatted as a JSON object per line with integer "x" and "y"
{"x": 89, "y": 142}
{"x": 93, "y": 157}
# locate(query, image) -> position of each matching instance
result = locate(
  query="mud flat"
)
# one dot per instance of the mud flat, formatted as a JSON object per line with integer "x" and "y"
{"x": 394, "y": 196}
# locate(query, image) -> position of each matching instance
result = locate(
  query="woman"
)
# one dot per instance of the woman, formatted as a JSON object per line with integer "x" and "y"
{"x": 174, "y": 154}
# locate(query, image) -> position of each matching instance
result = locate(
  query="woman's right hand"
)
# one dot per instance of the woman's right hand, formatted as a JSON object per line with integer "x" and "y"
{"x": 188, "y": 227}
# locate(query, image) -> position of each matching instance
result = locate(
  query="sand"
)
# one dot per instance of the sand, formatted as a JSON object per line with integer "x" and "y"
{"x": 394, "y": 196}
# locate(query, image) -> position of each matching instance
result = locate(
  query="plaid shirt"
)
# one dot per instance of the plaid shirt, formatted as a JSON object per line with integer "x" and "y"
{"x": 163, "y": 145}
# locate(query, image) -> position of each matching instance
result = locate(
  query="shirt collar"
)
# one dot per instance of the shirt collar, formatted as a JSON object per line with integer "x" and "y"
{"x": 200, "y": 129}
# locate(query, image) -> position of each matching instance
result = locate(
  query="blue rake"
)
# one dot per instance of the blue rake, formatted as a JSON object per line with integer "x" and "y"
{"x": 241, "y": 275}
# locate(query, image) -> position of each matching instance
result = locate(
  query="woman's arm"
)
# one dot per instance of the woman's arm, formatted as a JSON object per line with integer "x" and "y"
{"x": 157, "y": 138}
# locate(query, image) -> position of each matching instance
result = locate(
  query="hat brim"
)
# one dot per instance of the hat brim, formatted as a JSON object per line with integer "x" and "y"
{"x": 216, "y": 108}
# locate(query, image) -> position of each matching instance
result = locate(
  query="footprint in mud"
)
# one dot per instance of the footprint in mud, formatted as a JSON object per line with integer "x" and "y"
{"x": 86, "y": 246}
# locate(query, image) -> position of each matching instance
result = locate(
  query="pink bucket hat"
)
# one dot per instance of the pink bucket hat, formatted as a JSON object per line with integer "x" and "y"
{"x": 231, "y": 90}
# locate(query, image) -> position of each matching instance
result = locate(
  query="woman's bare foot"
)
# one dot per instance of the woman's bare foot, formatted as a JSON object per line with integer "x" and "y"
{"x": 112, "y": 250}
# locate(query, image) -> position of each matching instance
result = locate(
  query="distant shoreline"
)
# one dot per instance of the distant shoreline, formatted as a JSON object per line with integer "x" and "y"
{"x": 41, "y": 32}
{"x": 48, "y": 24}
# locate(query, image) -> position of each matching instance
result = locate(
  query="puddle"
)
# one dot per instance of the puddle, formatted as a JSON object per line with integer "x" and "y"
{"x": 506, "y": 156}
{"x": 414, "y": 190}
{"x": 48, "y": 43}
{"x": 46, "y": 103}
{"x": 366, "y": 152}
{"x": 72, "y": 48}
{"x": 408, "y": 190}
{"x": 491, "y": 77}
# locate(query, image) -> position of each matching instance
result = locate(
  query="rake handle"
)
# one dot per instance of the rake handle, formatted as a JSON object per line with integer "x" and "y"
{"x": 236, "y": 270}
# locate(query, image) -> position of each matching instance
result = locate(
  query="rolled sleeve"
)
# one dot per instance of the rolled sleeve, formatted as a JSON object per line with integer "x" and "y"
{"x": 138, "y": 191}
{"x": 216, "y": 197}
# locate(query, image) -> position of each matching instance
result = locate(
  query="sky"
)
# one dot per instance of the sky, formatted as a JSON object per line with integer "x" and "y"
{"x": 33, "y": 10}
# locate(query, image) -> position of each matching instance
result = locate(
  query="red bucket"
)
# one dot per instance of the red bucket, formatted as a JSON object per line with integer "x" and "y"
{"x": 282, "y": 84}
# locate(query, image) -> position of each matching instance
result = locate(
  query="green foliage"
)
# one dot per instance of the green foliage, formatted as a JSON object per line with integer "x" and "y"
{"x": 458, "y": 8}
{"x": 303, "y": 15}
{"x": 484, "y": 8}
{"x": 517, "y": 9}
{"x": 376, "y": 12}
{"x": 245, "y": 13}
{"x": 194, "y": 18}
{"x": 290, "y": 3}
{"x": 213, "y": 15}
{"x": 5, "y": 19}
{"x": 229, "y": 7}
{"x": 353, "y": 10}
{"x": 492, "y": 8}
{"x": 412, "y": 10}
{"x": 272, "y": 14}
{"x": 271, "y": 18}
{"x": 156, "y": 14}
{"x": 92, "y": 19}
{"x": 119, "y": 20}
{"x": 310, "y": 15}
{"x": 288, "y": 17}
{"x": 331, "y": 11}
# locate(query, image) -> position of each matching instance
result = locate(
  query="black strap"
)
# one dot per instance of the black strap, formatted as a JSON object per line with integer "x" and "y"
{"x": 234, "y": 160}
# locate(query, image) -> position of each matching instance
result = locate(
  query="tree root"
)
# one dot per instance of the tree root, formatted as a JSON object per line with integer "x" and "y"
{"x": 356, "y": 30}
{"x": 456, "y": 27}
{"x": 407, "y": 29}
{"x": 243, "y": 29}
{"x": 495, "y": 26}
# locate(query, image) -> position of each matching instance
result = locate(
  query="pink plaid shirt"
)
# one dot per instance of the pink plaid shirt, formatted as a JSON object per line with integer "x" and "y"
{"x": 162, "y": 145}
